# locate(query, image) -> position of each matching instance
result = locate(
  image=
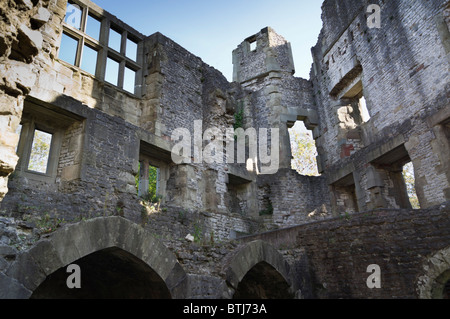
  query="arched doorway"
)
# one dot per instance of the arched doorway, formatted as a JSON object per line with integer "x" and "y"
{"x": 263, "y": 282}
{"x": 107, "y": 274}
{"x": 259, "y": 271}
{"x": 116, "y": 259}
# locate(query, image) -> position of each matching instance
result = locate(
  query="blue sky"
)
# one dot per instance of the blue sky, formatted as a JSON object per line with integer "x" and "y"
{"x": 213, "y": 29}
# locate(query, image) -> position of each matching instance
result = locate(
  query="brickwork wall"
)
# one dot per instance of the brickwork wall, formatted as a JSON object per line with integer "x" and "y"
{"x": 340, "y": 250}
{"x": 293, "y": 198}
{"x": 104, "y": 186}
{"x": 404, "y": 72}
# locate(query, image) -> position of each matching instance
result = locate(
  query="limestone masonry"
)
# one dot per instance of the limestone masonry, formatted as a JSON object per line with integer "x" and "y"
{"x": 84, "y": 120}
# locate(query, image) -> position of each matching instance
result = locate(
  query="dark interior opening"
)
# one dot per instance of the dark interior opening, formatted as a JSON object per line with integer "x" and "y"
{"x": 263, "y": 282}
{"x": 107, "y": 274}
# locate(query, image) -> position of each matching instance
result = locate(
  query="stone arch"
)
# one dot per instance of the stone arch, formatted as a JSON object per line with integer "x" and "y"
{"x": 437, "y": 274}
{"x": 258, "y": 257}
{"x": 77, "y": 241}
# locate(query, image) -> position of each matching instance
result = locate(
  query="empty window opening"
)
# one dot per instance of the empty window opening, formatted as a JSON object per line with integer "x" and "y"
{"x": 346, "y": 199}
{"x": 365, "y": 115}
{"x": 147, "y": 182}
{"x": 89, "y": 59}
{"x": 68, "y": 49}
{"x": 238, "y": 188}
{"x": 397, "y": 175}
{"x": 40, "y": 152}
{"x": 43, "y": 144}
{"x": 115, "y": 40}
{"x": 131, "y": 51}
{"x": 129, "y": 80}
{"x": 73, "y": 15}
{"x": 93, "y": 26}
{"x": 304, "y": 151}
{"x": 357, "y": 111}
{"x": 344, "y": 196}
{"x": 253, "y": 46}
{"x": 112, "y": 71}
{"x": 86, "y": 35}
{"x": 408, "y": 176}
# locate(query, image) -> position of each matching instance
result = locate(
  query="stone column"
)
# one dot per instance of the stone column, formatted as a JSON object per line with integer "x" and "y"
{"x": 143, "y": 178}
{"x": 10, "y": 115}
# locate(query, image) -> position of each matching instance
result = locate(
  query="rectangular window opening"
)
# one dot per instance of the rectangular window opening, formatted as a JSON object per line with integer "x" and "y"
{"x": 89, "y": 59}
{"x": 358, "y": 112}
{"x": 147, "y": 182}
{"x": 253, "y": 46}
{"x": 112, "y": 71}
{"x": 115, "y": 40}
{"x": 68, "y": 48}
{"x": 74, "y": 15}
{"x": 131, "y": 51}
{"x": 82, "y": 47}
{"x": 93, "y": 26}
{"x": 129, "y": 81}
{"x": 40, "y": 152}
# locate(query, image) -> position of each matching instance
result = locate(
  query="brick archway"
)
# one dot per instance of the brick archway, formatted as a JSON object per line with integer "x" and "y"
{"x": 258, "y": 257}
{"x": 74, "y": 242}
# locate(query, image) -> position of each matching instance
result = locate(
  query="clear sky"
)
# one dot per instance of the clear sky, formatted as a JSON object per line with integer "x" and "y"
{"x": 212, "y": 29}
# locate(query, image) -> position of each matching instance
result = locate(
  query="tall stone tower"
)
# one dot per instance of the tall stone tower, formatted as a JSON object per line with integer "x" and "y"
{"x": 264, "y": 67}
{"x": 261, "y": 54}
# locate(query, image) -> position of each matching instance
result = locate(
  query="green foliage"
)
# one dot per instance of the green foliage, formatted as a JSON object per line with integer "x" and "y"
{"x": 239, "y": 119}
{"x": 346, "y": 215}
{"x": 152, "y": 180}
{"x": 198, "y": 233}
{"x": 48, "y": 225}
{"x": 268, "y": 211}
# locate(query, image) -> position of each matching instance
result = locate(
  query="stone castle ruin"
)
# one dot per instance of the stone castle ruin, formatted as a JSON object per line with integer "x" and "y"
{"x": 89, "y": 107}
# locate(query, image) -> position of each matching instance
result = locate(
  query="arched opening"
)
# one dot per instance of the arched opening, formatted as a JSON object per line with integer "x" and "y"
{"x": 107, "y": 274}
{"x": 263, "y": 282}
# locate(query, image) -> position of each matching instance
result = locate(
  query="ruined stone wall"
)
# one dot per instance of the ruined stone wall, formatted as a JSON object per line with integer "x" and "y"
{"x": 95, "y": 176}
{"x": 293, "y": 198}
{"x": 402, "y": 70}
{"x": 172, "y": 223}
{"x": 402, "y": 242}
{"x": 22, "y": 40}
{"x": 101, "y": 145}
{"x": 182, "y": 89}
{"x": 384, "y": 238}
{"x": 33, "y": 34}
{"x": 180, "y": 92}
